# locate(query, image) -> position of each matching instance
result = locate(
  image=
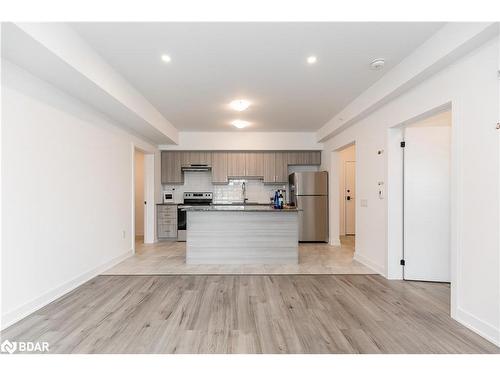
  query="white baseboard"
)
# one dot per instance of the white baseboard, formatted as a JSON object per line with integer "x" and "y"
{"x": 21, "y": 312}
{"x": 335, "y": 242}
{"x": 369, "y": 263}
{"x": 477, "y": 325}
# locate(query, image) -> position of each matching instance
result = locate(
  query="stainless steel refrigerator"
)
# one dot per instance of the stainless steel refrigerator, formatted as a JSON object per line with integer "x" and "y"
{"x": 309, "y": 192}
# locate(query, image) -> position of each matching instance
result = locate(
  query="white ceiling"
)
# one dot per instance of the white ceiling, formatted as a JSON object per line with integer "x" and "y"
{"x": 214, "y": 63}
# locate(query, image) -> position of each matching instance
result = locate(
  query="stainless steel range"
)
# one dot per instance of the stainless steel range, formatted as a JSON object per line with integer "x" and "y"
{"x": 190, "y": 199}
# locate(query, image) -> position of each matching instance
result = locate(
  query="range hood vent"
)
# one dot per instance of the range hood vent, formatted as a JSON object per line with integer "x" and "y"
{"x": 196, "y": 168}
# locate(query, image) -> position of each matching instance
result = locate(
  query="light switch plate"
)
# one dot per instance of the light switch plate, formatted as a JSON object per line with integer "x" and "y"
{"x": 364, "y": 202}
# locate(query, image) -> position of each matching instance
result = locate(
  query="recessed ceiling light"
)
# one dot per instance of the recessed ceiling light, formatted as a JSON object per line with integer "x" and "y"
{"x": 312, "y": 60}
{"x": 240, "y": 124}
{"x": 166, "y": 58}
{"x": 239, "y": 105}
{"x": 377, "y": 64}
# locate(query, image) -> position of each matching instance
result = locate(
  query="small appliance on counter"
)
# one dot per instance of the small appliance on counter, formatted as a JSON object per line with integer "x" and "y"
{"x": 168, "y": 196}
{"x": 279, "y": 199}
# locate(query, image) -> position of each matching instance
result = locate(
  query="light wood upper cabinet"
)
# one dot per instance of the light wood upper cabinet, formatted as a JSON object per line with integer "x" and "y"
{"x": 236, "y": 164}
{"x": 315, "y": 157}
{"x": 219, "y": 168}
{"x": 171, "y": 172}
{"x": 201, "y": 157}
{"x": 254, "y": 164}
{"x": 281, "y": 165}
{"x": 292, "y": 157}
{"x": 196, "y": 157}
{"x": 304, "y": 157}
{"x": 269, "y": 167}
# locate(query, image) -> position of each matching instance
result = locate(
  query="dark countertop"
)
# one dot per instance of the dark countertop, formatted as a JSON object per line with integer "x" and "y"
{"x": 240, "y": 208}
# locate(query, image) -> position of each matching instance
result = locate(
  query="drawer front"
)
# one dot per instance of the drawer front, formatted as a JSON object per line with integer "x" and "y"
{"x": 167, "y": 231}
{"x": 167, "y": 221}
{"x": 167, "y": 209}
{"x": 169, "y": 215}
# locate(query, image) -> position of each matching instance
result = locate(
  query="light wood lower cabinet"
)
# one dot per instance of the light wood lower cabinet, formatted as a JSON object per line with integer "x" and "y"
{"x": 271, "y": 165}
{"x": 219, "y": 168}
{"x": 166, "y": 221}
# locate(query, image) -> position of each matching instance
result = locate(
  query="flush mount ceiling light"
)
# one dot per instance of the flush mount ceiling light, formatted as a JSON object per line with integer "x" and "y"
{"x": 377, "y": 64}
{"x": 166, "y": 58}
{"x": 239, "y": 104}
{"x": 240, "y": 124}
{"x": 312, "y": 60}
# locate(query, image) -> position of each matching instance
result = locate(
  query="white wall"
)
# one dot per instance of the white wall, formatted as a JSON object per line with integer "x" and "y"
{"x": 245, "y": 141}
{"x": 67, "y": 177}
{"x": 139, "y": 193}
{"x": 471, "y": 86}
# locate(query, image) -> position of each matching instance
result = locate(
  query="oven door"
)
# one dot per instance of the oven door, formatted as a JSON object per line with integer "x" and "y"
{"x": 181, "y": 224}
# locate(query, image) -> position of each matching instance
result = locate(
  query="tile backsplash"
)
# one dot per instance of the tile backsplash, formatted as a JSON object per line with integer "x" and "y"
{"x": 256, "y": 191}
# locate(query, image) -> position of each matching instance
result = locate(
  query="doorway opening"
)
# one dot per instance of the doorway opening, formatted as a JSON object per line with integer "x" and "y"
{"x": 347, "y": 198}
{"x": 426, "y": 150}
{"x": 139, "y": 200}
{"x": 424, "y": 197}
{"x": 143, "y": 197}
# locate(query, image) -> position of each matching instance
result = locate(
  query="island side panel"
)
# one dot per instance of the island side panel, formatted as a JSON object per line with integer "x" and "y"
{"x": 242, "y": 237}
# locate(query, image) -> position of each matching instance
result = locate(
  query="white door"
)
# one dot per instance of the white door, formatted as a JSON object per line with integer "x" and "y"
{"x": 427, "y": 203}
{"x": 350, "y": 198}
{"x": 149, "y": 198}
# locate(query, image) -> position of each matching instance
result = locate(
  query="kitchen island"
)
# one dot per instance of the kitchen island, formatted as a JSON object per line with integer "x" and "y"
{"x": 241, "y": 235}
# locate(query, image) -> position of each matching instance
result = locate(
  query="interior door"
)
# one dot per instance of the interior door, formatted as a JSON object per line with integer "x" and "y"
{"x": 427, "y": 203}
{"x": 350, "y": 197}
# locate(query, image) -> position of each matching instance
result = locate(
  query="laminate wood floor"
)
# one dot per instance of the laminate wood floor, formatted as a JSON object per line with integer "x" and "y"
{"x": 169, "y": 258}
{"x": 250, "y": 314}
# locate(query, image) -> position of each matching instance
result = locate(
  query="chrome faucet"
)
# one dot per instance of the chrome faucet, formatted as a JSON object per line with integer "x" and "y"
{"x": 244, "y": 192}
